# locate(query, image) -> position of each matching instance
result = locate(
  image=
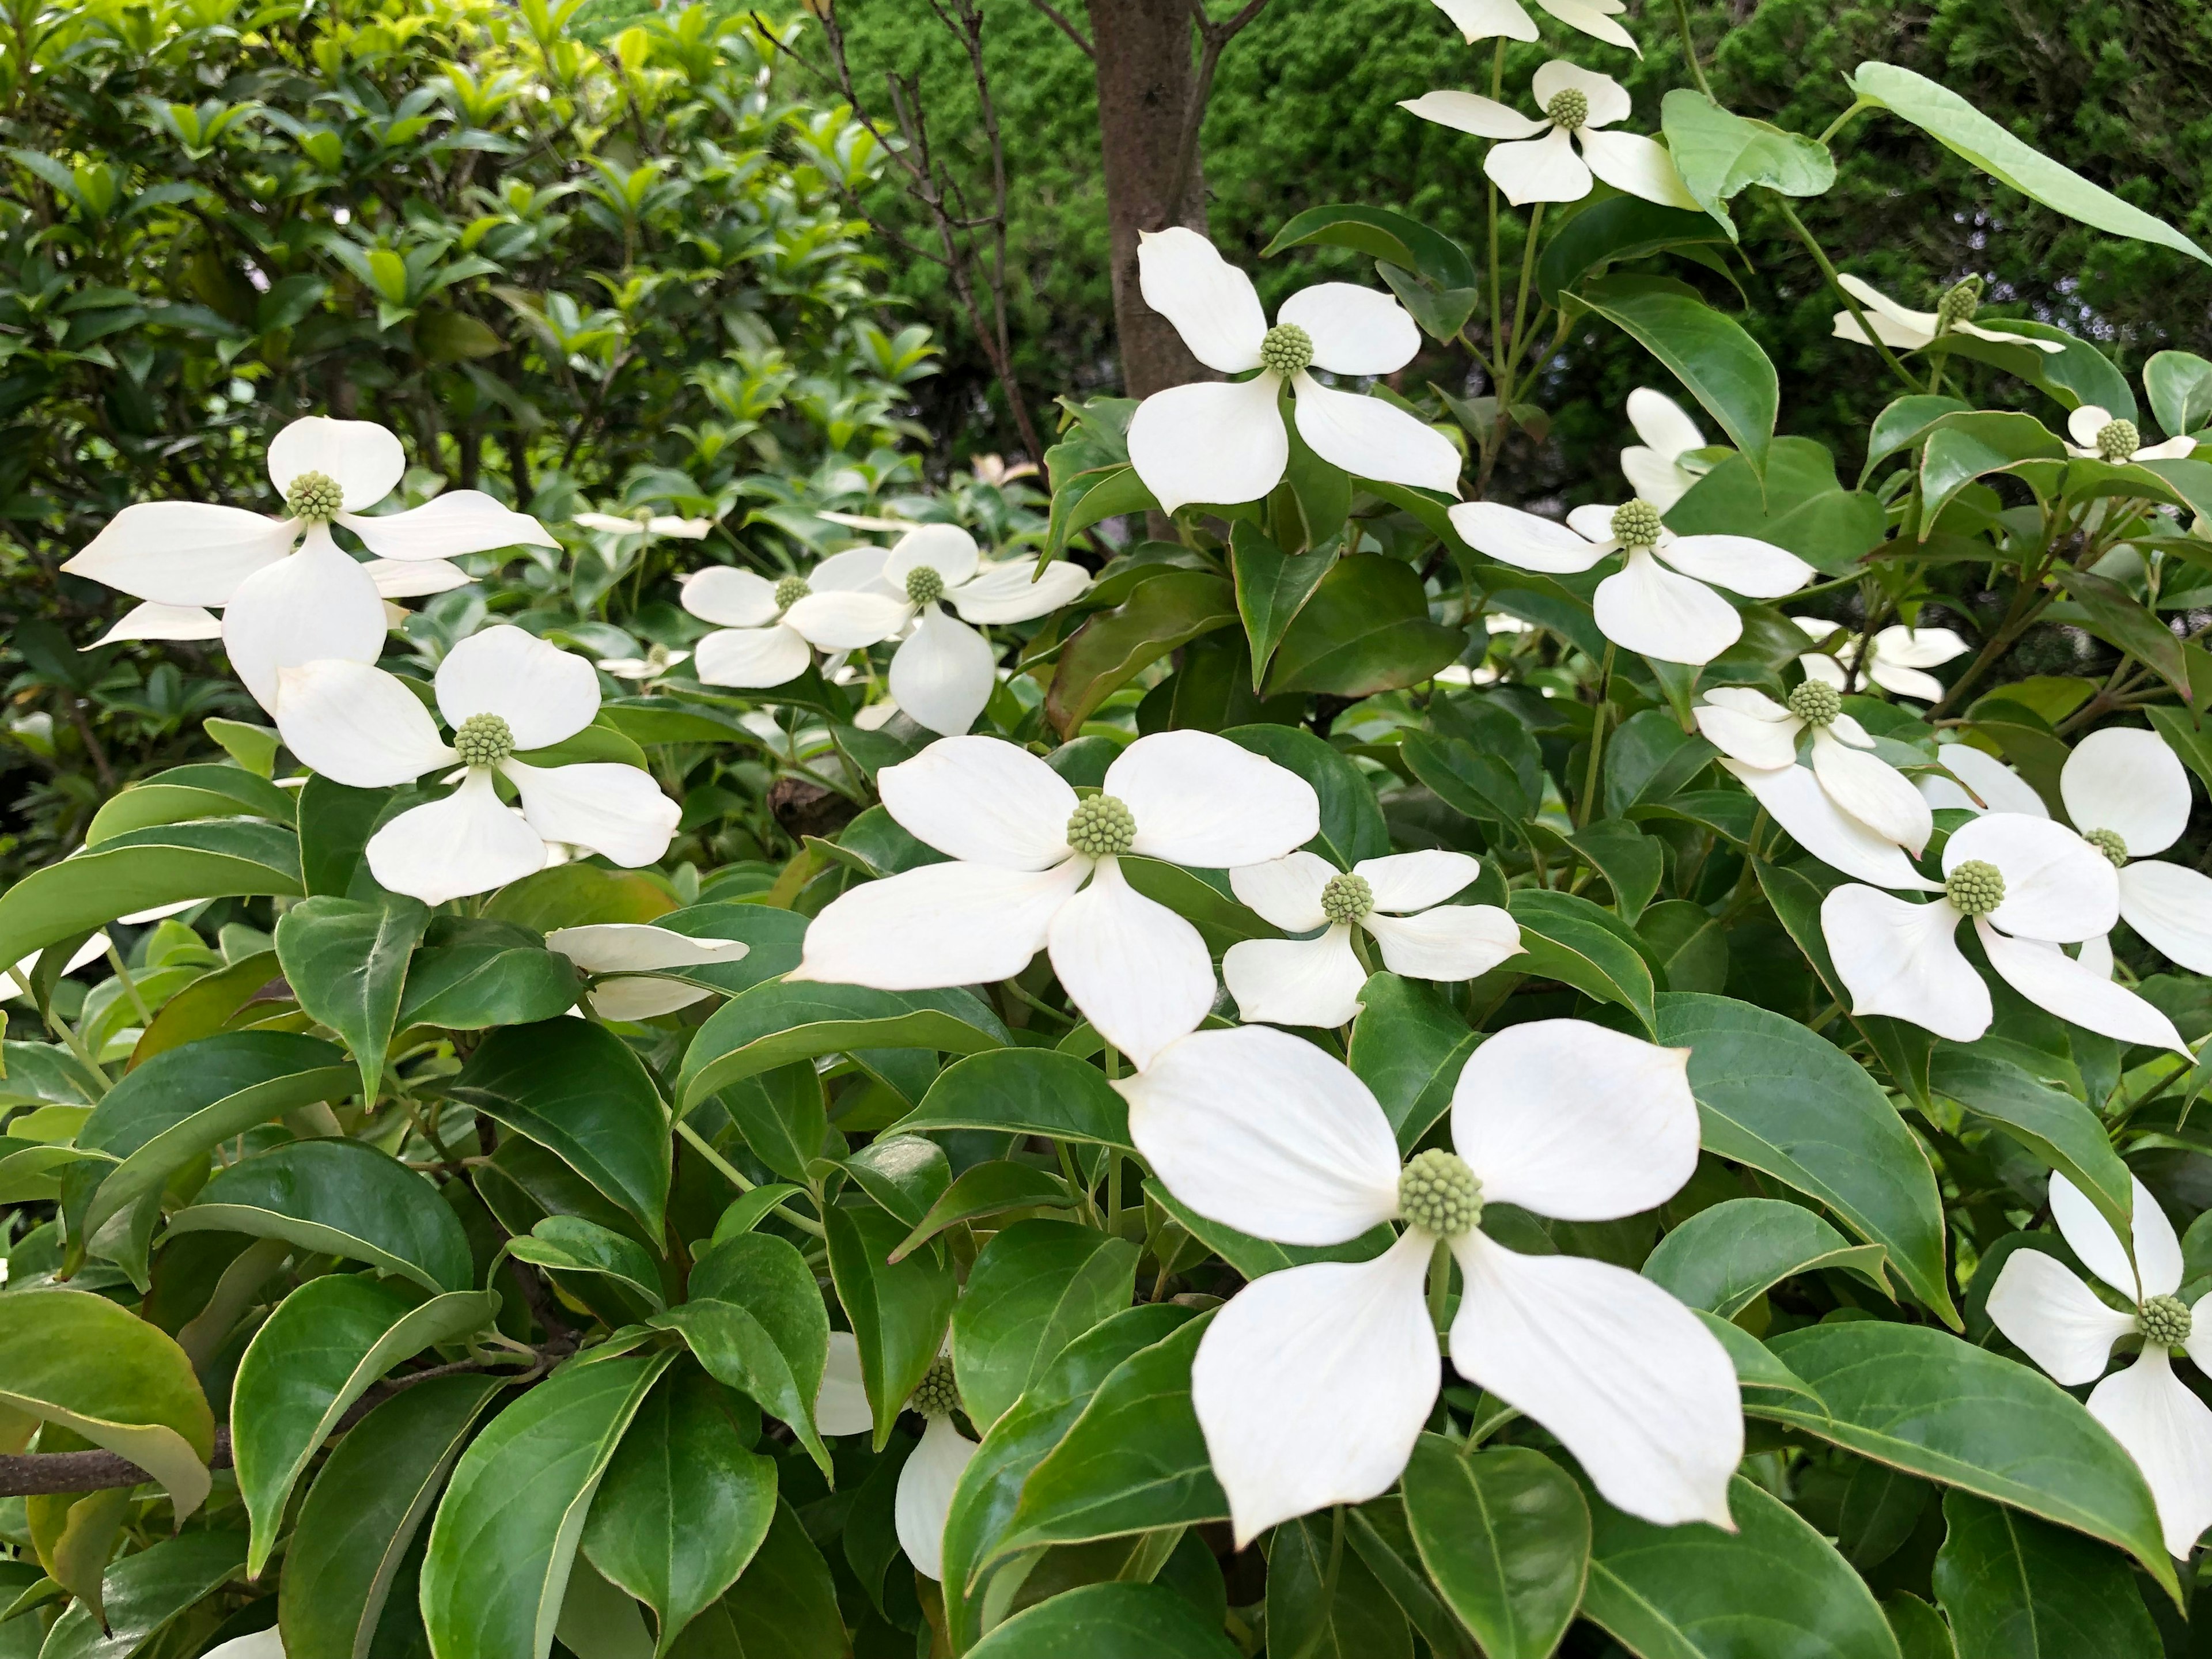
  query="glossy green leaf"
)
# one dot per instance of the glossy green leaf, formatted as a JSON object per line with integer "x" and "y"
{"x": 1409, "y": 1045}
{"x": 991, "y": 1187}
{"x": 1027, "y": 1091}
{"x": 905, "y": 1173}
{"x": 1272, "y": 588}
{"x": 141, "y": 869}
{"x": 2016, "y": 1588}
{"x": 2179, "y": 386}
{"x": 1366, "y": 630}
{"x": 336, "y": 821}
{"x": 1572, "y": 940}
{"x": 1108, "y": 1621}
{"x": 782, "y": 1115}
{"x": 145, "y": 1592}
{"x": 898, "y": 1312}
{"x": 471, "y": 973}
{"x": 766, "y": 1280}
{"x": 1035, "y": 1288}
{"x": 2120, "y": 619}
{"x": 1801, "y": 507}
{"x": 1965, "y": 448}
{"x": 1708, "y": 351}
{"x": 1722, "y": 1258}
{"x": 784, "y": 1606}
{"x": 570, "y": 1243}
{"x": 1631, "y": 862}
{"x": 185, "y": 793}
{"x": 1505, "y": 1534}
{"x": 738, "y": 1351}
{"x": 1311, "y": 1613}
{"x": 1112, "y": 648}
{"x": 1395, "y": 237}
{"x": 1618, "y": 229}
{"x": 1721, "y": 155}
{"x": 346, "y": 961}
{"x": 2057, "y": 1127}
{"x": 774, "y": 1024}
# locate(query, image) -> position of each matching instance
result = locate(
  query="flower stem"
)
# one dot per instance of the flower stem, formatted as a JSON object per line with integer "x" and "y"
{"x": 1440, "y": 1266}
{"x": 1598, "y": 723}
{"x": 1851, "y": 305}
{"x": 1690, "y": 49}
{"x": 129, "y": 986}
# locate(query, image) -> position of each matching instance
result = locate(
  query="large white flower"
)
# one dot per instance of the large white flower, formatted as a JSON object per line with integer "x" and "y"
{"x": 1909, "y": 331}
{"x": 1654, "y": 468}
{"x": 2029, "y": 885}
{"x": 187, "y": 559}
{"x": 1645, "y": 607}
{"x": 1023, "y": 846}
{"x": 2128, "y": 795}
{"x": 1486, "y": 19}
{"x": 2099, "y": 434}
{"x": 1217, "y": 441}
{"x": 1317, "y": 981}
{"x": 1541, "y": 166}
{"x": 624, "y": 959}
{"x": 1894, "y": 663}
{"x": 2061, "y": 1324}
{"x": 1313, "y": 1384}
{"x": 933, "y": 1469}
{"x": 502, "y": 691}
{"x": 767, "y": 632}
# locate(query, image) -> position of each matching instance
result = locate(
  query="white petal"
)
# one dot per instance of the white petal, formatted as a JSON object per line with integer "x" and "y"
{"x": 1756, "y": 739}
{"x": 2167, "y": 1430}
{"x": 615, "y": 810}
{"x": 1486, "y": 19}
{"x": 1544, "y": 169}
{"x": 1918, "y": 647}
{"x": 1467, "y": 112}
{"x": 2000, "y": 788}
{"x": 182, "y": 552}
{"x": 1903, "y": 960}
{"x": 752, "y": 657}
{"x": 943, "y": 924}
{"x": 1140, "y": 972}
{"x": 1212, "y": 303}
{"x": 1285, "y": 981}
{"x": 842, "y": 1405}
{"x": 1216, "y": 442}
{"x": 1262, "y": 1131}
{"x": 2053, "y": 980}
{"x": 1523, "y": 540}
{"x": 2004, "y": 338}
{"x": 1593, "y": 524}
{"x": 2090, "y": 1236}
{"x": 1752, "y": 704}
{"x": 1354, "y": 330}
{"x": 2173, "y": 449}
{"x": 2096, "y": 954}
{"x": 2051, "y": 1316}
{"x": 1285, "y": 890}
{"x": 1653, "y": 478}
{"x": 357, "y": 725}
{"x": 1202, "y": 800}
{"x": 542, "y": 693}
{"x": 856, "y": 569}
{"x": 2171, "y": 907}
{"x": 1370, "y": 438}
{"x": 846, "y": 619}
{"x": 1608, "y": 99}
{"x": 608, "y": 524}
{"x": 946, "y": 549}
{"x": 261, "y": 1644}
{"x": 1662, "y": 423}
{"x": 1594, "y": 18}
{"x": 466, "y": 843}
{"x": 1921, "y": 323}
{"x": 1826, "y": 670}
{"x": 1873, "y": 792}
{"x": 2085, "y": 422}
{"x": 1890, "y": 332}
{"x": 942, "y": 673}
{"x": 412, "y": 579}
{"x": 149, "y": 620}
{"x": 459, "y": 521}
{"x": 1011, "y": 591}
{"x": 1650, "y": 611}
{"x": 1313, "y": 1385}
{"x": 632, "y": 997}
{"x": 1631, "y": 162}
{"x": 926, "y": 1483}
{"x": 1451, "y": 942}
{"x": 1742, "y": 564}
{"x": 615, "y": 947}
{"x": 1795, "y": 798}
{"x": 1575, "y": 1121}
{"x": 316, "y": 604}
{"x": 983, "y": 799}
{"x": 724, "y": 594}
{"x": 366, "y": 460}
{"x": 1627, "y": 1377}
{"x": 1905, "y": 681}
{"x": 2056, "y": 886}
{"x": 1413, "y": 881}
{"x": 1844, "y": 728}
{"x": 2126, "y": 780}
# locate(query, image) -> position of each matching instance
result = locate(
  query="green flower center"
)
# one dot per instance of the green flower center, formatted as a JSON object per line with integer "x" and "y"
{"x": 2165, "y": 1320}
{"x": 1347, "y": 898}
{"x": 1635, "y": 524}
{"x": 315, "y": 496}
{"x": 1101, "y": 827}
{"x": 483, "y": 740}
{"x": 2110, "y": 842}
{"x": 1815, "y": 704}
{"x": 1286, "y": 349}
{"x": 1568, "y": 109}
{"x": 1976, "y": 887}
{"x": 790, "y": 591}
{"x": 1438, "y": 1194}
{"x": 936, "y": 1395}
{"x": 2117, "y": 440}
{"x": 1959, "y": 304}
{"x": 924, "y": 586}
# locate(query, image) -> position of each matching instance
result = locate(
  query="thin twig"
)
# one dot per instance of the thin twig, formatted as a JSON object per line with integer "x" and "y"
{"x": 1067, "y": 28}
{"x": 1213, "y": 38}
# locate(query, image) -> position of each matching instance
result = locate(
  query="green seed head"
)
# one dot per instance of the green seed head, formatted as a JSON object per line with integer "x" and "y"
{"x": 2164, "y": 1319}
{"x": 1959, "y": 304}
{"x": 1816, "y": 704}
{"x": 483, "y": 740}
{"x": 924, "y": 586}
{"x": 1439, "y": 1194}
{"x": 2117, "y": 440}
{"x": 2110, "y": 842}
{"x": 315, "y": 496}
{"x": 1101, "y": 827}
{"x": 1568, "y": 109}
{"x": 790, "y": 591}
{"x": 936, "y": 1395}
{"x": 1347, "y": 898}
{"x": 1976, "y": 887}
{"x": 1635, "y": 524}
{"x": 1286, "y": 349}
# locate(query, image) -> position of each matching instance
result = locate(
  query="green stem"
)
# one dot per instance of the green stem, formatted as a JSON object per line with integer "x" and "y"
{"x": 1690, "y": 49}
{"x": 1336, "y": 1564}
{"x": 1521, "y": 302}
{"x": 62, "y": 1028}
{"x": 1360, "y": 949}
{"x": 730, "y": 1174}
{"x": 1439, "y": 1284}
{"x": 1844, "y": 120}
{"x": 129, "y": 986}
{"x": 1851, "y": 305}
{"x": 1497, "y": 302}
{"x": 1598, "y": 723}
{"x": 1014, "y": 989}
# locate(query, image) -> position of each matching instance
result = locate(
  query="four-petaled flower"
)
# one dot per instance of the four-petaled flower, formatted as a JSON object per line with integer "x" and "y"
{"x": 503, "y": 692}
{"x": 1317, "y": 981}
{"x": 1312, "y": 1384}
{"x": 767, "y": 632}
{"x": 933, "y": 1469}
{"x": 627, "y": 959}
{"x": 1023, "y": 844}
{"x": 1895, "y": 656}
{"x": 1909, "y": 331}
{"x": 1654, "y": 468}
{"x": 1541, "y": 166}
{"x": 283, "y": 607}
{"x": 1486, "y": 19}
{"x": 1224, "y": 442}
{"x": 2128, "y": 795}
{"x": 2100, "y": 435}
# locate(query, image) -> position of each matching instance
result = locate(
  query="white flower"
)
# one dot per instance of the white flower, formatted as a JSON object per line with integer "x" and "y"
{"x": 1317, "y": 981}
{"x": 1578, "y": 105}
{"x": 933, "y": 1469}
{"x": 501, "y": 690}
{"x": 769, "y": 631}
{"x": 2128, "y": 795}
{"x": 1485, "y": 19}
{"x": 2099, "y": 434}
{"x": 1022, "y": 846}
{"x": 656, "y": 523}
{"x": 1218, "y": 441}
{"x": 1644, "y": 606}
{"x": 658, "y": 660}
{"x": 2030, "y": 885}
{"x": 621, "y": 957}
{"x": 1654, "y": 468}
{"x": 1898, "y": 655}
{"x": 2061, "y": 1325}
{"x": 1313, "y": 1384}
{"x": 1908, "y": 330}
{"x": 185, "y": 558}
{"x": 1984, "y": 784}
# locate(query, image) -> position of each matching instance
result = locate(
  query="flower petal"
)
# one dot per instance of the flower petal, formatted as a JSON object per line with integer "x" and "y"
{"x": 1592, "y": 20}
{"x": 2085, "y": 422}
{"x": 1826, "y": 670}
{"x": 1903, "y": 960}
{"x": 2167, "y": 1430}
{"x": 926, "y": 1483}
{"x": 2001, "y": 789}
{"x": 1873, "y": 792}
{"x": 2126, "y": 780}
{"x": 1646, "y": 608}
{"x": 1629, "y": 1379}
{"x": 1486, "y": 19}
{"x": 846, "y": 619}
{"x": 983, "y": 799}
{"x": 1140, "y": 972}
{"x": 182, "y": 552}
{"x": 1544, "y": 169}
{"x": 149, "y": 620}
{"x": 946, "y": 549}
{"x": 1755, "y": 738}
{"x": 1011, "y": 591}
{"x": 1608, "y": 99}
{"x": 1662, "y": 423}
{"x": 1523, "y": 540}
{"x": 1371, "y": 438}
{"x": 1451, "y": 942}
{"x": 2173, "y": 449}
{"x": 633, "y": 997}
{"x": 1354, "y": 330}
{"x": 1905, "y": 681}
{"x": 1285, "y": 890}
{"x": 850, "y": 571}
{"x": 1413, "y": 881}
{"x": 2054, "y": 981}
{"x": 542, "y": 693}
{"x": 1200, "y": 799}
{"x": 1313, "y": 1385}
{"x": 316, "y": 604}
{"x": 1793, "y": 796}
{"x": 2003, "y": 338}
{"x": 1889, "y": 332}
{"x": 724, "y": 594}
{"x": 1212, "y": 303}
{"x": 2052, "y": 1316}
{"x": 467, "y": 844}
{"x": 366, "y": 460}
{"x": 942, "y": 673}
{"x": 1263, "y": 1132}
{"x": 1214, "y": 442}
{"x": 357, "y": 726}
{"x": 1743, "y": 564}
{"x": 841, "y": 1406}
{"x": 617, "y": 811}
{"x": 1653, "y": 478}
{"x": 2096, "y": 954}
{"x": 2056, "y": 886}
{"x": 1632, "y": 163}
{"x": 1468, "y": 111}
{"x": 943, "y": 924}
{"x": 616, "y": 947}
{"x": 459, "y": 521}
{"x": 1288, "y": 982}
{"x": 752, "y": 657}
{"x": 1918, "y": 647}
{"x": 2090, "y": 1236}
{"x": 1592, "y": 522}
{"x": 412, "y": 579}
{"x": 1921, "y": 323}
{"x": 2171, "y": 907}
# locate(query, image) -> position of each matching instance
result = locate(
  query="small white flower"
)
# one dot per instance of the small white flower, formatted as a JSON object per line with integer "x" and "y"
{"x": 1645, "y": 607}
{"x": 1654, "y": 468}
{"x": 2099, "y": 434}
{"x": 656, "y": 523}
{"x": 1486, "y": 19}
{"x": 2060, "y": 1323}
{"x": 1313, "y": 1384}
{"x": 933, "y": 1469}
{"x": 1898, "y": 656}
{"x": 1022, "y": 845}
{"x": 658, "y": 660}
{"x": 2128, "y": 795}
{"x": 622, "y": 958}
{"x": 1218, "y": 441}
{"x": 282, "y": 607}
{"x": 1908, "y": 330}
{"x": 768, "y": 631}
{"x": 501, "y": 690}
{"x": 1578, "y": 106}
{"x": 1317, "y": 981}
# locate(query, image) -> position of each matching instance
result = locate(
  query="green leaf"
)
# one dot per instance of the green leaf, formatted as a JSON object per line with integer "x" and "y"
{"x": 898, "y": 1312}
{"x": 505, "y": 1535}
{"x": 1795, "y": 892}
{"x": 1108, "y": 1621}
{"x": 784, "y": 1606}
{"x": 1773, "y": 1095}
{"x": 141, "y": 869}
{"x": 319, "y": 1353}
{"x": 2017, "y": 1589}
{"x": 684, "y": 1506}
{"x": 1720, "y": 154}
{"x": 1366, "y": 630}
{"x": 1618, "y": 229}
{"x": 1101, "y": 493}
{"x": 1965, "y": 448}
{"x": 1409, "y": 1045}
{"x": 905, "y": 1173}
{"x": 144, "y": 1592}
{"x": 2057, "y": 1127}
{"x": 1802, "y": 506}
{"x": 1311, "y": 1613}
{"x": 2120, "y": 619}
{"x": 1272, "y": 588}
{"x": 1112, "y": 648}
{"x": 1035, "y": 1091}
{"x": 740, "y": 1351}
{"x": 345, "y": 961}
{"x": 768, "y": 1278}
{"x": 1254, "y": 1258}
{"x": 1381, "y": 234}
{"x": 342, "y": 1198}
{"x": 776, "y": 1024}
{"x": 336, "y": 821}
{"x": 1035, "y": 1288}
{"x": 1505, "y": 1534}
{"x": 1352, "y": 826}
{"x": 2179, "y": 386}
{"x": 185, "y": 793}
{"x": 1904, "y": 422}
{"x": 1474, "y": 783}
{"x": 575, "y": 1088}
{"x": 1631, "y": 862}
{"x": 1707, "y": 351}
{"x": 577, "y": 895}
{"x": 570, "y": 1243}
{"x": 470, "y": 973}
{"x": 782, "y": 1117}
{"x": 1723, "y": 1258}
{"x": 1570, "y": 940}
{"x": 1965, "y": 130}
{"x": 991, "y": 1187}
{"x": 253, "y": 747}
